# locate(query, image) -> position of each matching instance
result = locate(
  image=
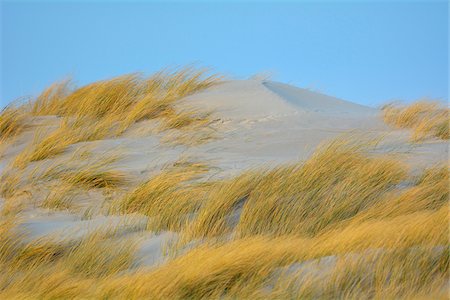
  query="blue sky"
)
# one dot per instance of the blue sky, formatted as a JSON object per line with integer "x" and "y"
{"x": 368, "y": 52}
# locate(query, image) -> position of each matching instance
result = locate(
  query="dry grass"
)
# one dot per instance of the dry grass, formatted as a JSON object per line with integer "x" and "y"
{"x": 386, "y": 230}
{"x": 163, "y": 90}
{"x": 130, "y": 96}
{"x": 393, "y": 274}
{"x": 168, "y": 198}
{"x": 12, "y": 122}
{"x": 48, "y": 102}
{"x": 94, "y": 176}
{"x": 9, "y": 182}
{"x": 185, "y": 118}
{"x": 242, "y": 268}
{"x": 69, "y": 132}
{"x": 51, "y": 268}
{"x": 189, "y": 127}
{"x": 55, "y": 185}
{"x": 343, "y": 202}
{"x": 429, "y": 193}
{"x": 107, "y": 108}
{"x": 425, "y": 118}
{"x": 59, "y": 198}
{"x": 222, "y": 207}
{"x": 206, "y": 272}
{"x": 335, "y": 184}
{"x": 88, "y": 172}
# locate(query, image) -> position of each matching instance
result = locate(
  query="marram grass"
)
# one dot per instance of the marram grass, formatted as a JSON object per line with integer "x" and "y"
{"x": 346, "y": 223}
{"x": 425, "y": 118}
{"x": 108, "y": 108}
{"x": 372, "y": 214}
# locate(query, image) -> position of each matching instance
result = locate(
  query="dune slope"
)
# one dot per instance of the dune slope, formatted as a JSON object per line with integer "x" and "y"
{"x": 184, "y": 186}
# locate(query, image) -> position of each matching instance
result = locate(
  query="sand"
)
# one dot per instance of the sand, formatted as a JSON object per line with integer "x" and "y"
{"x": 260, "y": 123}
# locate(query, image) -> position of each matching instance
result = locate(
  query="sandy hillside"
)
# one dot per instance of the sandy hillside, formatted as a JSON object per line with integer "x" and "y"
{"x": 252, "y": 125}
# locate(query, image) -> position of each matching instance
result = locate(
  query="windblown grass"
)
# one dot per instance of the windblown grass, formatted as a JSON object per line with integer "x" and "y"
{"x": 389, "y": 240}
{"x": 242, "y": 268}
{"x": 49, "y": 268}
{"x": 15, "y": 191}
{"x": 107, "y": 108}
{"x": 386, "y": 230}
{"x": 162, "y": 91}
{"x": 10, "y": 180}
{"x": 335, "y": 184}
{"x": 49, "y": 101}
{"x": 222, "y": 209}
{"x": 184, "y": 119}
{"x": 59, "y": 198}
{"x": 56, "y": 184}
{"x": 95, "y": 176}
{"x": 429, "y": 193}
{"x": 393, "y": 274}
{"x": 12, "y": 122}
{"x": 168, "y": 198}
{"x": 69, "y": 132}
{"x": 130, "y": 96}
{"x": 425, "y": 118}
{"x": 84, "y": 171}
{"x": 206, "y": 272}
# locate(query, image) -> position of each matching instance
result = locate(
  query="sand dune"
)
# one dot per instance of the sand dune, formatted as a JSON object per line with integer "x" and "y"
{"x": 258, "y": 124}
{"x": 262, "y": 123}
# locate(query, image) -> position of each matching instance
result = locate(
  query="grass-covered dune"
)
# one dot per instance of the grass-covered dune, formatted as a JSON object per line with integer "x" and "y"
{"x": 85, "y": 215}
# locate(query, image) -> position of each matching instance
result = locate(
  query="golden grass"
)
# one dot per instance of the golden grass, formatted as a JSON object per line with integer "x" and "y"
{"x": 387, "y": 230}
{"x": 69, "y": 132}
{"x": 55, "y": 143}
{"x": 393, "y": 274}
{"x": 59, "y": 198}
{"x": 335, "y": 184}
{"x": 184, "y": 118}
{"x": 225, "y": 199}
{"x": 342, "y": 202}
{"x": 51, "y": 268}
{"x": 425, "y": 118}
{"x": 241, "y": 268}
{"x": 96, "y": 256}
{"x": 88, "y": 172}
{"x": 168, "y": 198}
{"x": 130, "y": 96}
{"x": 107, "y": 108}
{"x": 55, "y": 185}
{"x": 48, "y": 102}
{"x": 429, "y": 193}
{"x": 95, "y": 177}
{"x": 9, "y": 182}
{"x": 12, "y": 122}
{"x": 15, "y": 189}
{"x": 205, "y": 272}
{"x": 109, "y": 97}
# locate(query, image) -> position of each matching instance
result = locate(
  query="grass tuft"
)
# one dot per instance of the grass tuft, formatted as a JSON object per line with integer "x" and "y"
{"x": 108, "y": 108}
{"x": 168, "y": 197}
{"x": 12, "y": 122}
{"x": 425, "y": 118}
{"x": 335, "y": 184}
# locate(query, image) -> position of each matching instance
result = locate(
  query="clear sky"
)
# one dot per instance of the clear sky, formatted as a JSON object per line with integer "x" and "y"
{"x": 366, "y": 52}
